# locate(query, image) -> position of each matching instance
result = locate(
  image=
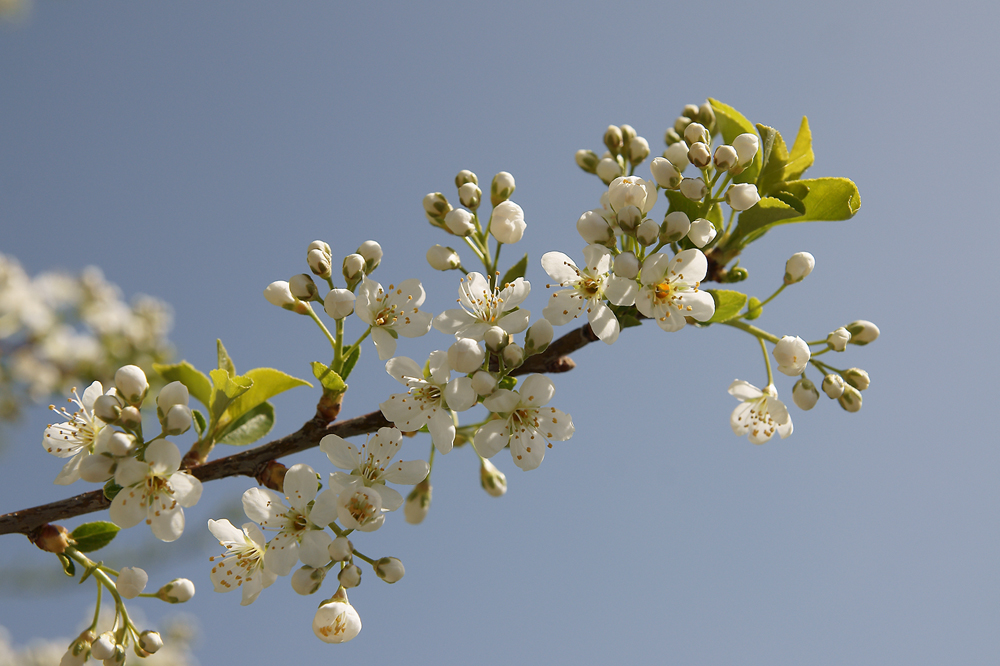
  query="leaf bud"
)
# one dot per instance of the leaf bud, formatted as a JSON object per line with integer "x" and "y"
{"x": 340, "y": 549}
{"x": 746, "y": 147}
{"x": 665, "y": 173}
{"x": 629, "y": 218}
{"x": 150, "y": 641}
{"x": 613, "y": 139}
{"x": 484, "y": 383}
{"x": 108, "y": 408}
{"x": 501, "y": 188}
{"x": 349, "y": 576}
{"x": 805, "y": 394}
{"x": 372, "y": 253}
{"x": 725, "y": 158}
{"x": 53, "y": 538}
{"x": 176, "y": 591}
{"x": 336, "y": 621}
{"x": 676, "y": 226}
{"x": 459, "y": 222}
{"x": 104, "y": 647}
{"x": 736, "y": 274}
{"x": 436, "y": 205}
{"x": 693, "y": 188}
{"x": 496, "y": 339}
{"x": 320, "y": 263}
{"x": 706, "y": 116}
{"x": 862, "y": 332}
{"x": 677, "y": 154}
{"x": 699, "y": 154}
{"x": 492, "y": 479}
{"x": 696, "y": 133}
{"x": 798, "y": 267}
{"x": 470, "y": 195}
{"x": 465, "y": 176}
{"x": 131, "y": 582}
{"x": 302, "y": 287}
{"x": 626, "y": 265}
{"x": 339, "y": 303}
{"x": 465, "y": 355}
{"x": 857, "y": 378}
{"x": 594, "y": 228}
{"x": 754, "y": 308}
{"x": 792, "y": 355}
{"x": 418, "y": 502}
{"x": 513, "y": 356}
{"x": 850, "y": 399}
{"x": 647, "y": 232}
{"x": 443, "y": 258}
{"x": 131, "y": 383}
{"x": 742, "y": 196}
{"x": 537, "y": 337}
{"x": 838, "y": 339}
{"x": 638, "y": 150}
{"x": 608, "y": 169}
{"x": 389, "y": 569}
{"x": 833, "y": 386}
{"x": 587, "y": 160}
{"x": 702, "y": 232}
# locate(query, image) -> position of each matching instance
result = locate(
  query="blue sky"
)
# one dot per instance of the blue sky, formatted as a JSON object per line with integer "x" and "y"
{"x": 193, "y": 150}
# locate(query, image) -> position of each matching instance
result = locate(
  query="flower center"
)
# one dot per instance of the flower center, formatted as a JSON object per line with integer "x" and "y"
{"x": 360, "y": 508}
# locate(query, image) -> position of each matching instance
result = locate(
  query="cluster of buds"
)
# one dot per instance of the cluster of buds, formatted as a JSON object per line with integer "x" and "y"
{"x": 624, "y": 147}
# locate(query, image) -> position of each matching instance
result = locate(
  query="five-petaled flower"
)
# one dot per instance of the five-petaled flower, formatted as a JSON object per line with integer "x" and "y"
{"x": 77, "y": 437}
{"x": 670, "y": 290}
{"x": 484, "y": 306}
{"x": 242, "y": 565}
{"x": 392, "y": 313}
{"x": 373, "y": 464}
{"x": 761, "y": 414}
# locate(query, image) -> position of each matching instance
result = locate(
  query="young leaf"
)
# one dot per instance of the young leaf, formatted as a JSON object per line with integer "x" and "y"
{"x": 350, "y": 362}
{"x": 111, "y": 489}
{"x": 516, "y": 271}
{"x": 679, "y": 202}
{"x": 67, "y": 564}
{"x": 801, "y": 157}
{"x": 265, "y": 384}
{"x": 250, "y": 427}
{"x": 199, "y": 422}
{"x": 197, "y": 383}
{"x": 331, "y": 381}
{"x": 225, "y": 389}
{"x": 732, "y": 123}
{"x": 727, "y": 304}
{"x": 225, "y": 362}
{"x": 827, "y": 199}
{"x": 774, "y": 157}
{"x": 94, "y": 536}
{"x": 754, "y": 222}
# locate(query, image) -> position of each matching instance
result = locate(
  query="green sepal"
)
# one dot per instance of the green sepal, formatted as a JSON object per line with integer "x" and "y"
{"x": 225, "y": 389}
{"x": 731, "y": 123}
{"x": 728, "y": 304}
{"x": 249, "y": 427}
{"x": 199, "y": 422}
{"x": 627, "y": 315}
{"x": 332, "y": 383}
{"x": 802, "y": 156}
{"x": 516, "y": 271}
{"x": 198, "y": 385}
{"x": 94, "y": 536}
{"x": 350, "y": 362}
{"x": 508, "y": 383}
{"x": 67, "y": 564}
{"x": 111, "y": 489}
{"x": 265, "y": 384}
{"x": 225, "y": 361}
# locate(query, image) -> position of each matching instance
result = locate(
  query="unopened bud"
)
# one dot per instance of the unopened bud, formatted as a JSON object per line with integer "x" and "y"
{"x": 742, "y": 196}
{"x": 702, "y": 232}
{"x": 670, "y": 137}
{"x": 613, "y": 139}
{"x": 677, "y": 154}
{"x": 850, "y": 399}
{"x": 131, "y": 582}
{"x": 465, "y": 355}
{"x": 53, "y": 539}
{"x": 706, "y": 116}
{"x": 121, "y": 444}
{"x": 459, "y": 222}
{"x": 443, "y": 258}
{"x": 862, "y": 332}
{"x": 648, "y": 232}
{"x": 608, "y": 169}
{"x": 629, "y": 218}
{"x": 108, "y": 408}
{"x": 320, "y": 262}
{"x": 496, "y": 339}
{"x": 696, "y": 133}
{"x": 792, "y": 354}
{"x": 587, "y": 160}
{"x": 492, "y": 479}
{"x": 436, "y": 205}
{"x": 353, "y": 267}
{"x": 594, "y": 228}
{"x": 538, "y": 337}
{"x": 680, "y": 125}
{"x": 838, "y": 339}
{"x": 104, "y": 647}
{"x": 690, "y": 111}
{"x": 665, "y": 173}
{"x": 129, "y": 417}
{"x": 693, "y": 188}
{"x": 626, "y": 265}
{"x": 177, "y": 420}
{"x": 340, "y": 549}
{"x": 372, "y": 253}
{"x": 389, "y": 569}
{"x": 176, "y": 591}
{"x": 131, "y": 383}
{"x": 676, "y": 226}
{"x": 465, "y": 176}
{"x": 483, "y": 383}
{"x": 501, "y": 188}
{"x": 638, "y": 150}
{"x": 833, "y": 386}
{"x": 308, "y": 579}
{"x": 302, "y": 287}
{"x": 746, "y": 147}
{"x": 418, "y": 502}
{"x": 805, "y": 394}
{"x": 339, "y": 303}
{"x": 150, "y": 641}
{"x": 278, "y": 293}
{"x": 798, "y": 267}
{"x": 349, "y": 576}
{"x": 857, "y": 378}
{"x": 699, "y": 154}
{"x": 470, "y": 195}
{"x": 513, "y": 356}
{"x": 725, "y": 158}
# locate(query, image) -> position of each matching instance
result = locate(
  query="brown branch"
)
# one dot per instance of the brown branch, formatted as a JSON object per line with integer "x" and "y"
{"x": 254, "y": 462}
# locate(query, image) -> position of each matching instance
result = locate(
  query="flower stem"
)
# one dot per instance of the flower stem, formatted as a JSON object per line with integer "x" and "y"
{"x": 767, "y": 362}
{"x": 752, "y": 330}
{"x": 333, "y": 342}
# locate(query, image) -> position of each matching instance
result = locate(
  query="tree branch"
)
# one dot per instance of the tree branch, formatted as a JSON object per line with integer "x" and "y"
{"x": 252, "y": 463}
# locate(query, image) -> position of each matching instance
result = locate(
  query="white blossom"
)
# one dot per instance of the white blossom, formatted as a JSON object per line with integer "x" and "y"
{"x": 483, "y": 307}
{"x": 632, "y": 191}
{"x": 670, "y": 289}
{"x": 792, "y": 355}
{"x": 131, "y": 582}
{"x": 742, "y": 196}
{"x": 507, "y": 222}
{"x": 77, "y": 437}
{"x": 374, "y": 464}
{"x": 336, "y": 621}
{"x": 760, "y": 414}
{"x": 392, "y": 313}
{"x": 242, "y": 565}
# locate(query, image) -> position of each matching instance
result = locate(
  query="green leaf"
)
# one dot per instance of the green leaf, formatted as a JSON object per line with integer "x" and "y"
{"x": 265, "y": 384}
{"x": 727, "y": 304}
{"x": 94, "y": 536}
{"x": 791, "y": 200}
{"x": 826, "y": 199}
{"x": 754, "y": 222}
{"x": 199, "y": 421}
{"x": 350, "y": 362}
{"x": 196, "y": 382}
{"x": 801, "y": 157}
{"x": 715, "y": 217}
{"x": 754, "y": 309}
{"x": 225, "y": 390}
{"x": 774, "y": 157}
{"x": 516, "y": 271}
{"x": 111, "y": 489}
{"x": 331, "y": 381}
{"x": 225, "y": 362}
{"x": 67, "y": 564}
{"x": 250, "y": 427}
{"x": 627, "y": 315}
{"x": 679, "y": 202}
{"x": 732, "y": 123}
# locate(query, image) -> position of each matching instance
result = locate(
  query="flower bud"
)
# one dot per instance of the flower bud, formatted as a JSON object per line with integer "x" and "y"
{"x": 699, "y": 154}
{"x": 372, "y": 253}
{"x": 696, "y": 133}
{"x": 459, "y": 222}
{"x": 501, "y": 188}
{"x": 120, "y": 444}
{"x": 389, "y": 569}
{"x": 418, "y": 502}
{"x": 629, "y": 218}
{"x": 702, "y": 232}
{"x": 838, "y": 339}
{"x": 117, "y": 658}
{"x": 670, "y": 137}
{"x": 319, "y": 259}
{"x": 706, "y": 116}
{"x": 742, "y": 196}
{"x": 538, "y": 337}
{"x": 746, "y": 147}
{"x": 507, "y": 221}
{"x": 436, "y": 205}
{"x": 492, "y": 479}
{"x": 339, "y": 303}
{"x": 626, "y": 265}
{"x": 676, "y": 226}
{"x": 108, "y": 408}
{"x": 833, "y": 386}
{"x": 353, "y": 268}
{"x": 805, "y": 394}
{"x": 466, "y": 356}
{"x": 177, "y": 420}
{"x": 104, "y": 647}
{"x": 464, "y": 177}
{"x": 443, "y": 258}
{"x": 278, "y": 293}
{"x": 176, "y": 591}
{"x": 131, "y": 582}
{"x": 693, "y": 188}
{"x": 680, "y": 125}
{"x": 608, "y": 169}
{"x": 587, "y": 160}
{"x": 857, "y": 378}
{"x": 470, "y": 195}
{"x": 172, "y": 394}
{"x": 150, "y": 641}
{"x": 340, "y": 549}
{"x": 129, "y": 417}
{"x": 725, "y": 158}
{"x": 638, "y": 150}
{"x": 483, "y": 383}
{"x": 798, "y": 267}
{"x": 349, "y": 576}
{"x": 496, "y": 339}
{"x": 336, "y": 621}
{"x": 665, "y": 173}
{"x": 754, "y": 308}
{"x": 677, "y": 154}
{"x": 628, "y": 133}
{"x": 308, "y": 579}
{"x": 862, "y": 332}
{"x": 613, "y": 139}
{"x": 594, "y": 228}
{"x": 691, "y": 112}
{"x": 131, "y": 383}
{"x": 648, "y": 232}
{"x": 792, "y": 355}
{"x": 513, "y": 356}
{"x": 850, "y": 399}
{"x": 302, "y": 287}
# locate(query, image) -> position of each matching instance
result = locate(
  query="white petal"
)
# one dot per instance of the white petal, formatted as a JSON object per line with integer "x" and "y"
{"x": 341, "y": 452}
{"x": 442, "y": 429}
{"x": 743, "y": 390}
{"x": 385, "y": 344}
{"x": 324, "y": 510}
{"x": 402, "y": 368}
{"x": 313, "y": 550}
{"x": 391, "y": 499}
{"x": 621, "y": 291}
{"x": 515, "y": 322}
{"x": 225, "y": 532}
{"x": 282, "y": 554}
{"x": 167, "y": 523}
{"x": 701, "y": 303}
{"x": 603, "y": 322}
{"x": 300, "y": 486}
{"x": 560, "y": 267}
{"x": 263, "y": 506}
{"x": 187, "y": 489}
{"x": 128, "y": 508}
{"x": 598, "y": 258}
{"x": 502, "y": 401}
{"x": 407, "y": 472}
{"x": 492, "y": 437}
{"x": 164, "y": 457}
{"x": 70, "y": 472}
{"x": 691, "y": 264}
{"x": 564, "y": 306}
{"x": 537, "y": 390}
{"x": 460, "y": 395}
{"x": 527, "y": 449}
{"x": 555, "y": 424}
